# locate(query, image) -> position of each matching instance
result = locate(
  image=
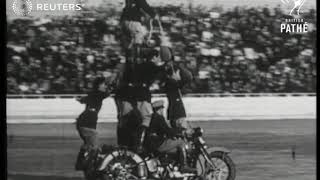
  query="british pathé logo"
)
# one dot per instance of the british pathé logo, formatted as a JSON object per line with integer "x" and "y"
{"x": 297, "y": 4}
{"x": 22, "y": 7}
{"x": 294, "y": 25}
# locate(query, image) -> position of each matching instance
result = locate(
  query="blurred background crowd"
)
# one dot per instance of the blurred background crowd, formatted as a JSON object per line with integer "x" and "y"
{"x": 240, "y": 50}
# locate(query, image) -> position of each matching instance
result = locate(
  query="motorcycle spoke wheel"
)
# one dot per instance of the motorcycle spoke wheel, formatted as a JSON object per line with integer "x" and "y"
{"x": 124, "y": 174}
{"x": 224, "y": 167}
{"x": 222, "y": 170}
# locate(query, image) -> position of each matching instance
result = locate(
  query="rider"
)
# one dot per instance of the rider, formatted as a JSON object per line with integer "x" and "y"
{"x": 87, "y": 121}
{"x": 162, "y": 138}
{"x": 173, "y": 81}
{"x": 133, "y": 98}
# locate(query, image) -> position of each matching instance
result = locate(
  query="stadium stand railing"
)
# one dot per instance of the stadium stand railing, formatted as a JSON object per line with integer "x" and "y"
{"x": 45, "y": 96}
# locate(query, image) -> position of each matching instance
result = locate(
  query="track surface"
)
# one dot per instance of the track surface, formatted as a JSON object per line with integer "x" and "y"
{"x": 260, "y": 149}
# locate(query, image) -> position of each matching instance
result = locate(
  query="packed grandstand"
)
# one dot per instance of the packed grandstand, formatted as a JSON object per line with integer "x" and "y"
{"x": 240, "y": 50}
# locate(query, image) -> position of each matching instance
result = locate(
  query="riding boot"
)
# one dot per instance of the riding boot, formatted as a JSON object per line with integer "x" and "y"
{"x": 80, "y": 162}
{"x": 121, "y": 140}
{"x": 91, "y": 160}
{"x": 140, "y": 138}
{"x": 183, "y": 162}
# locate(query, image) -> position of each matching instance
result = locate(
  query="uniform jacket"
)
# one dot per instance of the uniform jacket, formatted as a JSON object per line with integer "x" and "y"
{"x": 158, "y": 131}
{"x": 172, "y": 89}
{"x": 89, "y": 117}
{"x": 137, "y": 79}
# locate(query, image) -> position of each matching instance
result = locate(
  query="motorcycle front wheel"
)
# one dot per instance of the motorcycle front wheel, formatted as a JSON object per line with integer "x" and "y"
{"x": 225, "y": 168}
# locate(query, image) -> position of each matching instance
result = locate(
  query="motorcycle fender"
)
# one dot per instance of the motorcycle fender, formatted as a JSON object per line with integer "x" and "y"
{"x": 215, "y": 149}
{"x": 116, "y": 153}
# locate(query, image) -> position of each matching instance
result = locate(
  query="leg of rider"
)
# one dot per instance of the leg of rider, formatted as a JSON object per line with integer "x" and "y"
{"x": 139, "y": 33}
{"x": 140, "y": 138}
{"x": 91, "y": 137}
{"x": 182, "y": 155}
{"x": 119, "y": 138}
{"x": 145, "y": 110}
{"x": 170, "y": 115}
{"x": 130, "y": 54}
{"x": 170, "y": 145}
{"x": 133, "y": 127}
{"x": 89, "y": 149}
{"x": 125, "y": 108}
{"x": 79, "y": 162}
{"x": 177, "y": 146}
{"x": 127, "y": 39}
{"x": 93, "y": 142}
{"x": 137, "y": 53}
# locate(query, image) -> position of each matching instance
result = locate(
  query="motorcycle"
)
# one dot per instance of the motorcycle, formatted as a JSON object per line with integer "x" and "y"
{"x": 121, "y": 163}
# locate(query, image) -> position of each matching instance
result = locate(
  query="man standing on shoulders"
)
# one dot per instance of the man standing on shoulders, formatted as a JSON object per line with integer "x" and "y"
{"x": 133, "y": 99}
{"x": 133, "y": 30}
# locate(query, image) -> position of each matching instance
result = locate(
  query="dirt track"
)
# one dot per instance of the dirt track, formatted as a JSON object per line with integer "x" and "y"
{"x": 260, "y": 149}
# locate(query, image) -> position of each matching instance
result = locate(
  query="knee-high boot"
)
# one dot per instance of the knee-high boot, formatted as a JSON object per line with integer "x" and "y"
{"x": 80, "y": 162}
{"x": 140, "y": 138}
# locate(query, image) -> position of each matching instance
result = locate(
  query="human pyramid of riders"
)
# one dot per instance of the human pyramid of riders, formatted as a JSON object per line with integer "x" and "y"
{"x": 141, "y": 124}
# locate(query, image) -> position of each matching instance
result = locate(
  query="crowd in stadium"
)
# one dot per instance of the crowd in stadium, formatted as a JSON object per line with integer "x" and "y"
{"x": 228, "y": 51}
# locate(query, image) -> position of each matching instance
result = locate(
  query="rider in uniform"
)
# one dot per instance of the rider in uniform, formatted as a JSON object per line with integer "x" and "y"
{"x": 87, "y": 121}
{"x": 173, "y": 81}
{"x": 132, "y": 29}
{"x": 176, "y": 78}
{"x": 162, "y": 138}
{"x": 133, "y": 99}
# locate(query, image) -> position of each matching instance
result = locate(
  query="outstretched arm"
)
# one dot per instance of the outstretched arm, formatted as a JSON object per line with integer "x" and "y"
{"x": 82, "y": 100}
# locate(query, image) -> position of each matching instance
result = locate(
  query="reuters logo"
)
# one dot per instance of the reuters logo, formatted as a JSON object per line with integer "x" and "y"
{"x": 22, "y": 7}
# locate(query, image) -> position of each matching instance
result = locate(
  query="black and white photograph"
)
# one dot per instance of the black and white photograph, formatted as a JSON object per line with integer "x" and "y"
{"x": 161, "y": 89}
